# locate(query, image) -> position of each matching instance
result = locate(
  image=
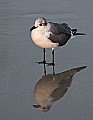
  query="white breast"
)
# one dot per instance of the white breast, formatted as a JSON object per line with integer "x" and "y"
{"x": 40, "y": 37}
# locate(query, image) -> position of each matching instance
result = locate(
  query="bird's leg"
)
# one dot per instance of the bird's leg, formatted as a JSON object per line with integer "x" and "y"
{"x": 52, "y": 63}
{"x": 44, "y": 60}
{"x": 44, "y": 56}
{"x": 53, "y": 70}
{"x": 44, "y": 69}
{"x": 53, "y": 57}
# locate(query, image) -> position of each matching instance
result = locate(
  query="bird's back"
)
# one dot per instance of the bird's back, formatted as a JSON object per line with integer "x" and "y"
{"x": 61, "y": 33}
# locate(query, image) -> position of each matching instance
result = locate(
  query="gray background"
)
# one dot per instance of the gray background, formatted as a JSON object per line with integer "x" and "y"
{"x": 19, "y": 72}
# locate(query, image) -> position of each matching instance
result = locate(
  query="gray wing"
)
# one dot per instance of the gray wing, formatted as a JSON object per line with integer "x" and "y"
{"x": 62, "y": 89}
{"x": 65, "y": 80}
{"x": 61, "y": 33}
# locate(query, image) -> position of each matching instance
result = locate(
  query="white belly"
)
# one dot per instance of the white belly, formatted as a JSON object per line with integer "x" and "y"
{"x": 40, "y": 39}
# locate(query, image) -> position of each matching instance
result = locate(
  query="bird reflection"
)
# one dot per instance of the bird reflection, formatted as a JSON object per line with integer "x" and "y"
{"x": 52, "y": 87}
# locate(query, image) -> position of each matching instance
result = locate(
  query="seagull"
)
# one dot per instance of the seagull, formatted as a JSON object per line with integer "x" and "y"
{"x": 51, "y": 88}
{"x": 51, "y": 35}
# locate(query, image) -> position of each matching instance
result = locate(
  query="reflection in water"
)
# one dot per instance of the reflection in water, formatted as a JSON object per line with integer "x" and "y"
{"x": 51, "y": 88}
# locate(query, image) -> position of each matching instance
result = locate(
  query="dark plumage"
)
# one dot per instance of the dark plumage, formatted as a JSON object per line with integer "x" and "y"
{"x": 61, "y": 33}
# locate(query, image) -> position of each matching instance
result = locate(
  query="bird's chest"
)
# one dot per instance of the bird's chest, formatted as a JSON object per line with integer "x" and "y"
{"x": 40, "y": 38}
{"x": 39, "y": 34}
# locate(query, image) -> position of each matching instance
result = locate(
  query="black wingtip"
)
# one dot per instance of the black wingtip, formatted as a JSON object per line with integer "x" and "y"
{"x": 80, "y": 68}
{"x": 74, "y": 32}
{"x": 79, "y": 34}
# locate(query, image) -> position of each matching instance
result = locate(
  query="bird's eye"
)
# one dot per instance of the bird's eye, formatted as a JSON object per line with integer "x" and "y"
{"x": 43, "y": 24}
{"x": 40, "y": 24}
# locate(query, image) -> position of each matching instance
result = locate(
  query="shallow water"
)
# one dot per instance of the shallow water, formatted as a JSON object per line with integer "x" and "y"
{"x": 18, "y": 54}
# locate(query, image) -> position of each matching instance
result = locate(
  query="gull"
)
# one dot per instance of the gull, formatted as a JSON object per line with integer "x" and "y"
{"x": 50, "y": 88}
{"x": 51, "y": 35}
